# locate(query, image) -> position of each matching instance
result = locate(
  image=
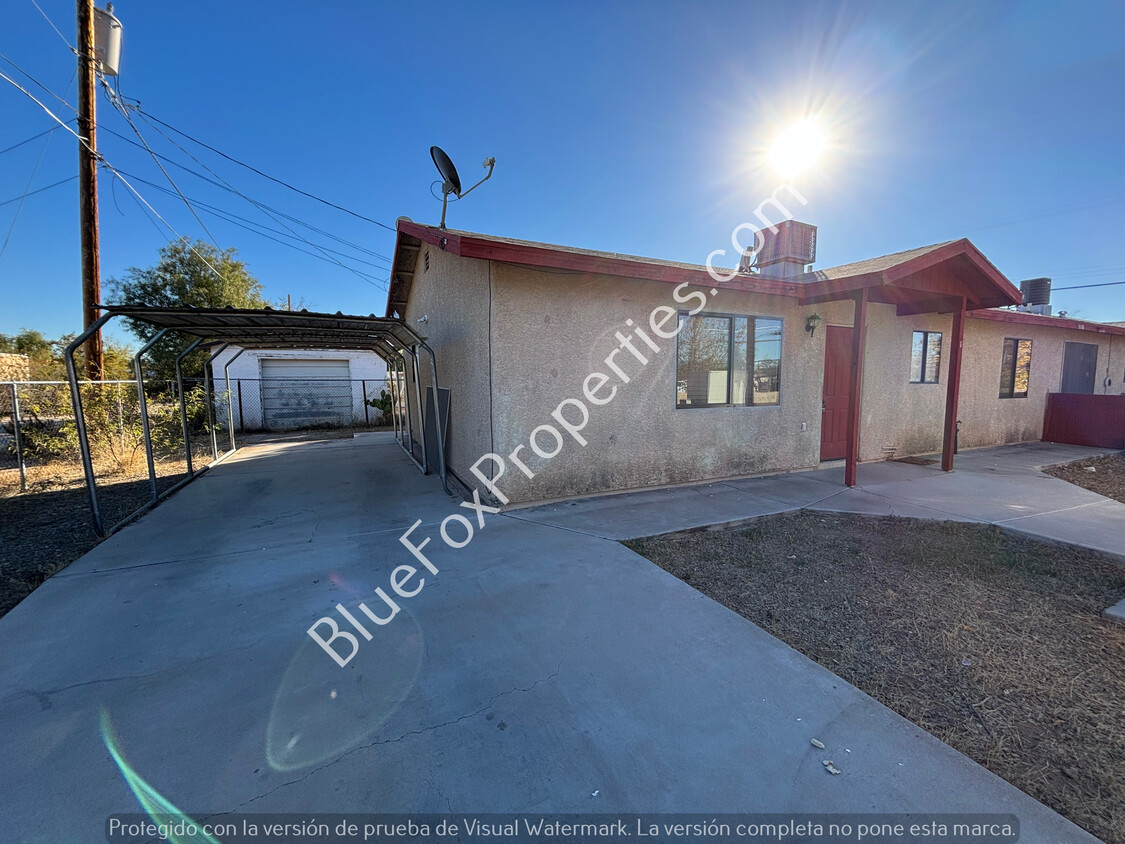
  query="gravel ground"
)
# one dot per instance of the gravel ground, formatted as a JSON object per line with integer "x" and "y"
{"x": 1103, "y": 475}
{"x": 993, "y": 643}
{"x": 40, "y": 533}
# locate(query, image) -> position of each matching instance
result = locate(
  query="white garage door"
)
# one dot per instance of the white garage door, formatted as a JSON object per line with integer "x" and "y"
{"x": 305, "y": 392}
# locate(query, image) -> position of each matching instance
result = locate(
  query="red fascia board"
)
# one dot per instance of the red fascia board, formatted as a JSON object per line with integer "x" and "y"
{"x": 952, "y": 250}
{"x": 1019, "y": 318}
{"x": 838, "y": 288}
{"x": 533, "y": 256}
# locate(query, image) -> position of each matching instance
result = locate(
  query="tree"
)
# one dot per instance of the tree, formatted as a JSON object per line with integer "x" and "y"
{"x": 188, "y": 274}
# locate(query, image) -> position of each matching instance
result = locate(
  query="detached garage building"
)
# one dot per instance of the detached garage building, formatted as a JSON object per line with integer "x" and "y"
{"x": 275, "y": 390}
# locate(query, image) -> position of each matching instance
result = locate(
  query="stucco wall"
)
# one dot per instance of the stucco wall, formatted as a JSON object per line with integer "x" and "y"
{"x": 909, "y": 417}
{"x": 551, "y": 330}
{"x": 541, "y": 333}
{"x": 454, "y": 296}
{"x": 990, "y": 420}
{"x": 895, "y": 413}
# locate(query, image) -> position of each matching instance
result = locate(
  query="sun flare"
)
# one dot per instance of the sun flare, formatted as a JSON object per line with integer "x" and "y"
{"x": 798, "y": 147}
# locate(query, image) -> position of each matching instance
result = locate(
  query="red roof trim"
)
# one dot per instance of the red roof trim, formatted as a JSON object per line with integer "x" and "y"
{"x": 487, "y": 249}
{"x": 1022, "y": 318}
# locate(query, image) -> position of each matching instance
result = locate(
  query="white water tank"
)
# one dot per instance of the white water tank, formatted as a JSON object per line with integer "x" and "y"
{"x": 107, "y": 40}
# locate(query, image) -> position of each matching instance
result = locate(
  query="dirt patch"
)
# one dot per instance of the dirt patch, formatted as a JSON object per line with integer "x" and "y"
{"x": 1103, "y": 475}
{"x": 993, "y": 643}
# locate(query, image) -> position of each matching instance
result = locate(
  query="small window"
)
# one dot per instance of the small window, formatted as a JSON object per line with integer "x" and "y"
{"x": 925, "y": 357}
{"x": 724, "y": 361}
{"x": 1015, "y": 368}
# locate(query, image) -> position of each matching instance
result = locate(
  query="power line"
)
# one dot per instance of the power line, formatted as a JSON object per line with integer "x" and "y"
{"x": 1087, "y": 286}
{"x": 37, "y": 190}
{"x": 30, "y": 180}
{"x": 40, "y": 85}
{"x": 230, "y": 189}
{"x": 140, "y": 137}
{"x": 32, "y": 138}
{"x": 252, "y": 202}
{"x": 263, "y": 175}
{"x": 55, "y": 28}
{"x": 261, "y": 206}
{"x": 261, "y": 230}
{"x": 110, "y": 167}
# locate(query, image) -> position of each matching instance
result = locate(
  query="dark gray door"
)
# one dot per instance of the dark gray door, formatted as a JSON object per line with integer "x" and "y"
{"x": 1080, "y": 366}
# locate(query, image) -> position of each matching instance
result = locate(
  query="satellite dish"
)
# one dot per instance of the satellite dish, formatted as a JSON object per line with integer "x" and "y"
{"x": 448, "y": 172}
{"x": 451, "y": 182}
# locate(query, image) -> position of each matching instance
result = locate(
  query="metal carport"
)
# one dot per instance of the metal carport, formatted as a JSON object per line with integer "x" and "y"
{"x": 217, "y": 328}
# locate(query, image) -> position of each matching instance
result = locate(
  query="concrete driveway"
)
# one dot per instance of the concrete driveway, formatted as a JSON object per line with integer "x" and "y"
{"x": 543, "y": 665}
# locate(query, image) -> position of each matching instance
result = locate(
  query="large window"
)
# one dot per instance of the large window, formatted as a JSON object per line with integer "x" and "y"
{"x": 1015, "y": 368}
{"x": 728, "y": 360}
{"x": 925, "y": 357}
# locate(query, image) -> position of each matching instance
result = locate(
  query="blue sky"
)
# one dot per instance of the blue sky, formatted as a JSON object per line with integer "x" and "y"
{"x": 635, "y": 128}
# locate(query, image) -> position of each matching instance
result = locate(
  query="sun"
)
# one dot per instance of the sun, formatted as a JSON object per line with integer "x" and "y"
{"x": 798, "y": 147}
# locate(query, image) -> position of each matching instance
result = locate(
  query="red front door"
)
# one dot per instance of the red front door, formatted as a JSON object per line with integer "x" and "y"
{"x": 837, "y": 373}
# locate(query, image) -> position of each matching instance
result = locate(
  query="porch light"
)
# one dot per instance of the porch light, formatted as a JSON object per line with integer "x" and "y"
{"x": 811, "y": 322}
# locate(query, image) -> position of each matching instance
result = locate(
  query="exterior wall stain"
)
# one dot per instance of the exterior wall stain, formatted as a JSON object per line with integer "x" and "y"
{"x": 512, "y": 342}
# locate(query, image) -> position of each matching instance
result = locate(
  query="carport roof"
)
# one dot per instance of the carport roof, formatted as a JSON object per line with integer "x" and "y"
{"x": 265, "y": 328}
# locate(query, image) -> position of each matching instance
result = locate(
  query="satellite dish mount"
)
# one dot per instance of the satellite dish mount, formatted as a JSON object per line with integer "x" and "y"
{"x": 451, "y": 182}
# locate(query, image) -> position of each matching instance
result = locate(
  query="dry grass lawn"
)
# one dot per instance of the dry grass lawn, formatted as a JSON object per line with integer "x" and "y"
{"x": 993, "y": 643}
{"x": 1103, "y": 475}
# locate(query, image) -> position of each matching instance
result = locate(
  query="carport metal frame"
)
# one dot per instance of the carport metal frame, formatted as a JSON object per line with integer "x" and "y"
{"x": 391, "y": 339}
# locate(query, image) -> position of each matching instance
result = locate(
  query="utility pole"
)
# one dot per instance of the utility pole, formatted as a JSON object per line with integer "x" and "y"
{"x": 88, "y": 188}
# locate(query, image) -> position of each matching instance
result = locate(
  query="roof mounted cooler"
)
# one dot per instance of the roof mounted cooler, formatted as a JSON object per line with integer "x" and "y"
{"x": 786, "y": 248}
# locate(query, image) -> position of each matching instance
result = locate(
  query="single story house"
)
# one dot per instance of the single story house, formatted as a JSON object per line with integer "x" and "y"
{"x": 280, "y": 389}
{"x": 583, "y": 372}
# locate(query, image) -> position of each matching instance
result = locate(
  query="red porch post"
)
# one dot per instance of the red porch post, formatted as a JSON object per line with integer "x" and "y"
{"x": 855, "y": 385}
{"x": 953, "y": 389}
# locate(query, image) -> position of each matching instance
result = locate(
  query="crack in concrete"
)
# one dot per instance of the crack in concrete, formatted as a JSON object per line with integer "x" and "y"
{"x": 44, "y": 695}
{"x": 400, "y": 738}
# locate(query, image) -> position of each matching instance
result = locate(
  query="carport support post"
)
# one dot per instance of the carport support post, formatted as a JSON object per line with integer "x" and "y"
{"x": 421, "y": 407}
{"x": 145, "y": 429}
{"x": 207, "y": 396}
{"x": 404, "y": 426}
{"x": 230, "y": 407}
{"x": 953, "y": 388}
{"x": 183, "y": 402}
{"x": 855, "y": 386}
{"x": 19, "y": 437}
{"x": 80, "y": 419}
{"x": 404, "y": 404}
{"x": 394, "y": 403}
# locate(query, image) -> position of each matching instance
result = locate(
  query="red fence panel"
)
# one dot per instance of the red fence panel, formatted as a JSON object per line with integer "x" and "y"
{"x": 1085, "y": 420}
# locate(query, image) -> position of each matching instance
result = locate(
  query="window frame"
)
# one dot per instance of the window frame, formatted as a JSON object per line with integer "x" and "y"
{"x": 925, "y": 352}
{"x": 1015, "y": 367}
{"x": 730, "y": 317}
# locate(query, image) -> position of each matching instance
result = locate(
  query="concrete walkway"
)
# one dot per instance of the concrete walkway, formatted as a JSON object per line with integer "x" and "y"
{"x": 1001, "y": 486}
{"x": 545, "y": 668}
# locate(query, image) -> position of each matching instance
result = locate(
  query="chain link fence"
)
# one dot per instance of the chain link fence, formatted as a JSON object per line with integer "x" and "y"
{"x": 39, "y": 449}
